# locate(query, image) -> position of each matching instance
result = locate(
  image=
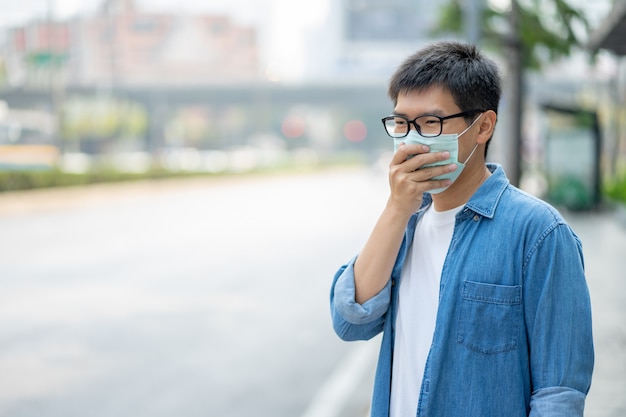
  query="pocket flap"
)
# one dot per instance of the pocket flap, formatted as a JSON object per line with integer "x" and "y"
{"x": 491, "y": 293}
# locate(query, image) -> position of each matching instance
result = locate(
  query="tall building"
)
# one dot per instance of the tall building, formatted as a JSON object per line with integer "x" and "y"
{"x": 380, "y": 21}
{"x": 365, "y": 40}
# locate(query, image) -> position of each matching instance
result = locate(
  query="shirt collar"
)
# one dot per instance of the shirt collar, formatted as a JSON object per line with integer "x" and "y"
{"x": 485, "y": 199}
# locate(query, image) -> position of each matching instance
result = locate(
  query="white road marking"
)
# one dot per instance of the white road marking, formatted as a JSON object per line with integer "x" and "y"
{"x": 332, "y": 397}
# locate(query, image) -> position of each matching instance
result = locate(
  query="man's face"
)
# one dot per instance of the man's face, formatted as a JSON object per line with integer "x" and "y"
{"x": 437, "y": 101}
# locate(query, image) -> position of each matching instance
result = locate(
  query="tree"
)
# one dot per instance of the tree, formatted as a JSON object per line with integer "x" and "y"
{"x": 531, "y": 33}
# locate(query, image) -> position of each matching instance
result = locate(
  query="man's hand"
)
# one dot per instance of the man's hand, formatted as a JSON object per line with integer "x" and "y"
{"x": 409, "y": 179}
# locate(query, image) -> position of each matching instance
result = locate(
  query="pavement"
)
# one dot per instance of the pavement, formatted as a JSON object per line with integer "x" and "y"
{"x": 604, "y": 246}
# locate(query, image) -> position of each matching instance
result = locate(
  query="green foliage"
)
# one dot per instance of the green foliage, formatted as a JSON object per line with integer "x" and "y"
{"x": 3, "y": 73}
{"x": 616, "y": 190}
{"x": 29, "y": 180}
{"x": 102, "y": 117}
{"x": 22, "y": 180}
{"x": 548, "y": 30}
{"x": 570, "y": 192}
{"x": 450, "y": 18}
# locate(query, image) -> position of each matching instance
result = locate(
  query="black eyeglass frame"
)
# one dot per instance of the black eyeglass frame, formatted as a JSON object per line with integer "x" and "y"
{"x": 417, "y": 128}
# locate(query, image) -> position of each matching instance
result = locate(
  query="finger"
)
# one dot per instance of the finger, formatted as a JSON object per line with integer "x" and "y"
{"x": 428, "y": 173}
{"x": 431, "y": 158}
{"x": 405, "y": 151}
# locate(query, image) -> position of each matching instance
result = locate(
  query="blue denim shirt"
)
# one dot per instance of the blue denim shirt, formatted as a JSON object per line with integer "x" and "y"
{"x": 513, "y": 332}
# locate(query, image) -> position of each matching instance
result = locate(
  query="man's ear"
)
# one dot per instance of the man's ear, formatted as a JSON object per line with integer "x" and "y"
{"x": 487, "y": 126}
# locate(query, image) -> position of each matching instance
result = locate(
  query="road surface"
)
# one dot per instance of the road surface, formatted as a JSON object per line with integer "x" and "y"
{"x": 197, "y": 298}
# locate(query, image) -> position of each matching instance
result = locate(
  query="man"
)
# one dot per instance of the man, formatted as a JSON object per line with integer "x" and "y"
{"x": 478, "y": 288}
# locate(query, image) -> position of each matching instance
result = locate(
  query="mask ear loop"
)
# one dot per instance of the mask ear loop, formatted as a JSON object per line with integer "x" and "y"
{"x": 471, "y": 153}
{"x": 475, "y": 146}
{"x": 470, "y": 126}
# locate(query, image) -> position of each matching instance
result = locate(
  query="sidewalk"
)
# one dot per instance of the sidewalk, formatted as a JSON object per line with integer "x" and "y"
{"x": 604, "y": 247}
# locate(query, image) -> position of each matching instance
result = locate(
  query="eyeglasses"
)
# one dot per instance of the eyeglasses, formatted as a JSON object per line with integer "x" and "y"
{"x": 427, "y": 126}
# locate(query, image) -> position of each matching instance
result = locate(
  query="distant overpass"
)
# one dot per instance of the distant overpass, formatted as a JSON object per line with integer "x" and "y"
{"x": 367, "y": 102}
{"x": 363, "y": 95}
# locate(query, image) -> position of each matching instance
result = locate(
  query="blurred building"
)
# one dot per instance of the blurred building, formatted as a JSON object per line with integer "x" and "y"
{"x": 121, "y": 45}
{"x": 610, "y": 35}
{"x": 365, "y": 40}
{"x": 36, "y": 53}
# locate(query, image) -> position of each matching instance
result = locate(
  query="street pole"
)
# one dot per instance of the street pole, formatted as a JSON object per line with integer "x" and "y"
{"x": 473, "y": 12}
{"x": 54, "y": 75}
{"x": 513, "y": 143}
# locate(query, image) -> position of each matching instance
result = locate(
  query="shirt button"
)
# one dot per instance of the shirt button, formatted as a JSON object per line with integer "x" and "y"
{"x": 476, "y": 218}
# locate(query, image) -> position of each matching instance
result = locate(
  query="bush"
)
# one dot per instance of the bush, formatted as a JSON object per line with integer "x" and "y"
{"x": 616, "y": 190}
{"x": 30, "y": 180}
{"x": 570, "y": 192}
{"x": 16, "y": 180}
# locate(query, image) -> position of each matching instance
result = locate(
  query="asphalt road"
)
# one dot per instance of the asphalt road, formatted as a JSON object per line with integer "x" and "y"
{"x": 198, "y": 298}
{"x": 210, "y": 298}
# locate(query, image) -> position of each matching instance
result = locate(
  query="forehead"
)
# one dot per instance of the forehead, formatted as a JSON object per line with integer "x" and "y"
{"x": 434, "y": 100}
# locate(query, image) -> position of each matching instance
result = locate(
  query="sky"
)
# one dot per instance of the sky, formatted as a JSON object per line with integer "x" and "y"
{"x": 18, "y": 12}
{"x": 283, "y": 24}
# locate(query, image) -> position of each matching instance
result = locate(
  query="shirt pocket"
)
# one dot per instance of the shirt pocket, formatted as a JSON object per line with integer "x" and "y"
{"x": 490, "y": 317}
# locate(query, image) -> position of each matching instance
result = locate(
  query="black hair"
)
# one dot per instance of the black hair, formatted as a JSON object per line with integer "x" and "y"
{"x": 472, "y": 79}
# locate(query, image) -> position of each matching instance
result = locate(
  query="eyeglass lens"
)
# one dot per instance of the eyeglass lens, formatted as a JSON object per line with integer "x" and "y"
{"x": 427, "y": 126}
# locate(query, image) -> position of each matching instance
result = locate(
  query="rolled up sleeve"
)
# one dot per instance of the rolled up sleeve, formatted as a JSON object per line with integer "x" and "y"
{"x": 351, "y": 320}
{"x": 557, "y": 402}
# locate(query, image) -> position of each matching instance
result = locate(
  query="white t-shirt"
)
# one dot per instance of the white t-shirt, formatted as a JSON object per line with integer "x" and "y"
{"x": 417, "y": 307}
